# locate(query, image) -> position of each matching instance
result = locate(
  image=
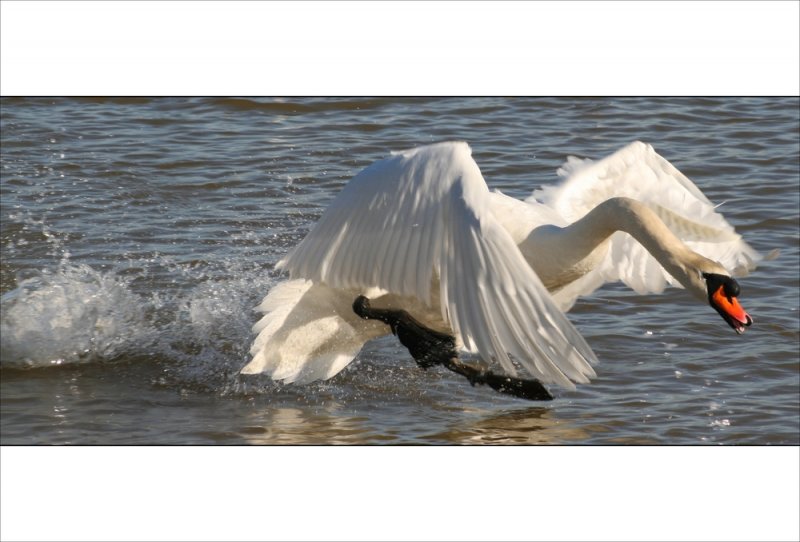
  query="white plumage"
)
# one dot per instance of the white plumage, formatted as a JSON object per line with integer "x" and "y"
{"x": 421, "y": 231}
{"x": 638, "y": 172}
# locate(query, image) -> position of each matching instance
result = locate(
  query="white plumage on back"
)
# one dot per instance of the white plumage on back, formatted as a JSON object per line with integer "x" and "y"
{"x": 421, "y": 216}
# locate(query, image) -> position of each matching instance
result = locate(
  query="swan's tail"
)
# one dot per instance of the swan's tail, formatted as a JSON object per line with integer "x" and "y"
{"x": 308, "y": 332}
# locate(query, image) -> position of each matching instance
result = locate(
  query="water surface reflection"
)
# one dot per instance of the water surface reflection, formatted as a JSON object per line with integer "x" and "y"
{"x": 295, "y": 425}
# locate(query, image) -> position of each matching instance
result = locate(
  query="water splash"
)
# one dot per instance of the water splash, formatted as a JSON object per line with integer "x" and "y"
{"x": 72, "y": 315}
{"x": 77, "y": 314}
{"x": 209, "y": 332}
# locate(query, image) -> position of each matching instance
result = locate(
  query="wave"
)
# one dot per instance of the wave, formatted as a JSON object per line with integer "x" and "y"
{"x": 75, "y": 314}
{"x": 298, "y": 107}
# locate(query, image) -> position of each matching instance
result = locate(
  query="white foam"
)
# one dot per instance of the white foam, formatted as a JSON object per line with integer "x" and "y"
{"x": 77, "y": 314}
{"x": 72, "y": 315}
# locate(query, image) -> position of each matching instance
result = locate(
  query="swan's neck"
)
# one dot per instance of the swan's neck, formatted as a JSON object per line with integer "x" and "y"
{"x": 562, "y": 255}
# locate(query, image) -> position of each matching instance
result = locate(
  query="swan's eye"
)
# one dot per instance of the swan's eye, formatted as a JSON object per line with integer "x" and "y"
{"x": 731, "y": 288}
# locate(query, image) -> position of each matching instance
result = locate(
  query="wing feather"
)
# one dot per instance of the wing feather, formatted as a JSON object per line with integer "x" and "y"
{"x": 638, "y": 172}
{"x": 423, "y": 215}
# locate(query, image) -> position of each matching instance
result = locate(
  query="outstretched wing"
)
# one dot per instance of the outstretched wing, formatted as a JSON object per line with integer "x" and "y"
{"x": 423, "y": 214}
{"x": 637, "y": 171}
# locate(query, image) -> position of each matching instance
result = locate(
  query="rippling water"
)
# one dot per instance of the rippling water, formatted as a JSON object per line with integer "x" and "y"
{"x": 138, "y": 233}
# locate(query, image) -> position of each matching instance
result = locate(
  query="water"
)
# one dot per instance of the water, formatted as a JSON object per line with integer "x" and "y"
{"x": 138, "y": 234}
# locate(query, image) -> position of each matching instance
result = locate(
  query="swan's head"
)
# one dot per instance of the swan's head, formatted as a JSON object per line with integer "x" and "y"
{"x": 723, "y": 291}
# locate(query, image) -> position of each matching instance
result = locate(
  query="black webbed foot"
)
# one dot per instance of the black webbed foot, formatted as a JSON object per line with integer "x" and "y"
{"x": 518, "y": 387}
{"x": 429, "y": 347}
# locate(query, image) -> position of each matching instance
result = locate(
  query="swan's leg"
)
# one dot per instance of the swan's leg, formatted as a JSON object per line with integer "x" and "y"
{"x": 429, "y": 347}
{"x": 426, "y": 346}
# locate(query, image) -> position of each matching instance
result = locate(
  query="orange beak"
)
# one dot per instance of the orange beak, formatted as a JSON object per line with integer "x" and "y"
{"x": 731, "y": 310}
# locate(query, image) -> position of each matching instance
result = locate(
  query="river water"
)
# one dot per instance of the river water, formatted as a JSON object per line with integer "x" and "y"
{"x": 139, "y": 233}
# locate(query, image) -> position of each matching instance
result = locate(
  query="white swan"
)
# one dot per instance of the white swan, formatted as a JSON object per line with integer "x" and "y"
{"x": 421, "y": 231}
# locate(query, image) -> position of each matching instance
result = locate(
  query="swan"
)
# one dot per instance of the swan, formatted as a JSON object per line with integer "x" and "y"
{"x": 420, "y": 235}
